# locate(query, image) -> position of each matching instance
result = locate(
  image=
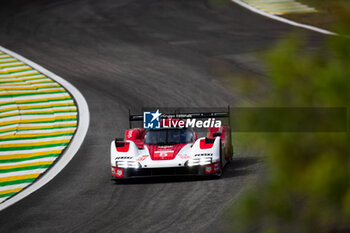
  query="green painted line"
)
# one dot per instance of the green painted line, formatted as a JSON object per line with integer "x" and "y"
{"x": 22, "y": 105}
{"x": 19, "y": 65}
{"x": 39, "y": 137}
{"x": 32, "y": 147}
{"x": 32, "y": 122}
{"x": 34, "y": 88}
{"x": 24, "y": 168}
{"x": 5, "y": 183}
{"x": 7, "y": 103}
{"x": 5, "y": 66}
{"x": 7, "y": 131}
{"x": 29, "y": 94}
{"x": 28, "y": 130}
{"x": 11, "y": 124}
{"x": 63, "y": 98}
{"x": 40, "y": 87}
{"x": 15, "y": 108}
{"x": 27, "y": 159}
{"x": 9, "y": 110}
{"x": 39, "y": 122}
{"x": 19, "y": 71}
{"x": 43, "y": 108}
{"x": 42, "y": 82}
{"x": 16, "y": 80}
{"x": 8, "y": 62}
{"x": 7, "y": 194}
{"x": 25, "y": 76}
{"x": 20, "y": 112}
{"x": 2, "y": 60}
{"x": 52, "y": 106}
{"x": 21, "y": 74}
{"x": 37, "y": 113}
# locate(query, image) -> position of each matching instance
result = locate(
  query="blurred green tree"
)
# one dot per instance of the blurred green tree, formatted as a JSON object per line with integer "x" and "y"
{"x": 307, "y": 183}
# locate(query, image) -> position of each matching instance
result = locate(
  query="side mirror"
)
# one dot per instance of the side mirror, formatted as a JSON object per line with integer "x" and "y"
{"x": 217, "y": 134}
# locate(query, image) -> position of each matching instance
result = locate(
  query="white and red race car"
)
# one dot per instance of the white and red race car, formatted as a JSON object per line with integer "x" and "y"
{"x": 170, "y": 152}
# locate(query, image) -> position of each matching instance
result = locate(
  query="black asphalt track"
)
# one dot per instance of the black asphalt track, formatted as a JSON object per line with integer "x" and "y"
{"x": 128, "y": 54}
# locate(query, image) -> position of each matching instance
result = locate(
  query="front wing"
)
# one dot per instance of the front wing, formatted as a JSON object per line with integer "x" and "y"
{"x": 200, "y": 170}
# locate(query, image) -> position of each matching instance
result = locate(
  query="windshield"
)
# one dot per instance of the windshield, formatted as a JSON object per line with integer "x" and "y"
{"x": 169, "y": 136}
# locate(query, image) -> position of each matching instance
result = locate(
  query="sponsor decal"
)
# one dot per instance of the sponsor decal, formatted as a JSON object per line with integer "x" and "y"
{"x": 129, "y": 133}
{"x": 123, "y": 157}
{"x": 151, "y": 120}
{"x": 204, "y": 154}
{"x": 165, "y": 147}
{"x": 217, "y": 167}
{"x": 184, "y": 156}
{"x": 208, "y": 169}
{"x": 119, "y": 172}
{"x": 212, "y": 168}
{"x": 163, "y": 154}
{"x": 142, "y": 158}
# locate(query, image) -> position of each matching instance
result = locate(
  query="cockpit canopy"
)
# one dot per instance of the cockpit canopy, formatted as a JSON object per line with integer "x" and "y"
{"x": 169, "y": 136}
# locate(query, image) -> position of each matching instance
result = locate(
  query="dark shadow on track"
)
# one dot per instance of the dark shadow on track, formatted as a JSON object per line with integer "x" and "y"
{"x": 160, "y": 179}
{"x": 241, "y": 166}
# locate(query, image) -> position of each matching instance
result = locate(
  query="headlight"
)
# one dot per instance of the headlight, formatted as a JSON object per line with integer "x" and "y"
{"x": 199, "y": 161}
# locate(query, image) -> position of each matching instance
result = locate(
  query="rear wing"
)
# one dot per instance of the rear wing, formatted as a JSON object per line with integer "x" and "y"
{"x": 184, "y": 115}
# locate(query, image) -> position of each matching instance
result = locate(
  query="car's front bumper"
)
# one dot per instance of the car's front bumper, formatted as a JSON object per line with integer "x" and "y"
{"x": 204, "y": 170}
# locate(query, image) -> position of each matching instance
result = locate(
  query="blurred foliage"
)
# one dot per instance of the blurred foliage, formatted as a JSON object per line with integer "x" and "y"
{"x": 307, "y": 183}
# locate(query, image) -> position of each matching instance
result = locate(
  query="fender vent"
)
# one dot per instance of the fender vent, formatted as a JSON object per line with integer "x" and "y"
{"x": 122, "y": 146}
{"x": 209, "y": 140}
{"x": 206, "y": 143}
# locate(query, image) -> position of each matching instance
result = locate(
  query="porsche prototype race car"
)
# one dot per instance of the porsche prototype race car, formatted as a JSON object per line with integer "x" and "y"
{"x": 171, "y": 151}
